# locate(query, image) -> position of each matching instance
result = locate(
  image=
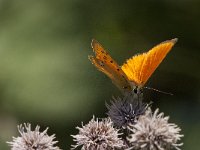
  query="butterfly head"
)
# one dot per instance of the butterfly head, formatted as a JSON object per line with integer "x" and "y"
{"x": 136, "y": 93}
{"x": 137, "y": 90}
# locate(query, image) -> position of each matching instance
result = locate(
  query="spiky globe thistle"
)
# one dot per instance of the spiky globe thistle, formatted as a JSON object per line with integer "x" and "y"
{"x": 33, "y": 140}
{"x": 153, "y": 132}
{"x": 98, "y": 135}
{"x": 125, "y": 111}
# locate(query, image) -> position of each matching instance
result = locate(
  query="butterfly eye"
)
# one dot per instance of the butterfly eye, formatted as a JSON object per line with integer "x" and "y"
{"x": 135, "y": 90}
{"x": 141, "y": 90}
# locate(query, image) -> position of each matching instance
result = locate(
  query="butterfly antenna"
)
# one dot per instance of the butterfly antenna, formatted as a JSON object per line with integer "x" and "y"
{"x": 149, "y": 88}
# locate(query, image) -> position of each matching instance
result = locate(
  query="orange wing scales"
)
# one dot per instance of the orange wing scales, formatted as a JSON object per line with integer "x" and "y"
{"x": 140, "y": 67}
{"x": 104, "y": 63}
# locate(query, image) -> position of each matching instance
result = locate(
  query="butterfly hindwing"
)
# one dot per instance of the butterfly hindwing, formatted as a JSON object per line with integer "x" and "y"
{"x": 140, "y": 67}
{"x": 103, "y": 62}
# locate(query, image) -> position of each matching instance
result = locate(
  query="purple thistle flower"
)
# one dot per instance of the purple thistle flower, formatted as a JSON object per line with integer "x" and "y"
{"x": 125, "y": 111}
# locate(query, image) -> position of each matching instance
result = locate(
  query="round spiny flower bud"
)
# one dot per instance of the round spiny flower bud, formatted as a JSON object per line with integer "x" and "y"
{"x": 98, "y": 135}
{"x": 125, "y": 111}
{"x": 153, "y": 132}
{"x": 33, "y": 140}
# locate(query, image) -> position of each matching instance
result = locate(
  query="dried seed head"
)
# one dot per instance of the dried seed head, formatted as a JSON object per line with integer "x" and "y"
{"x": 153, "y": 132}
{"x": 98, "y": 135}
{"x": 33, "y": 140}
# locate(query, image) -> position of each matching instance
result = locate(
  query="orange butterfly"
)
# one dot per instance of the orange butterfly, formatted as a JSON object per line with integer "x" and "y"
{"x": 135, "y": 72}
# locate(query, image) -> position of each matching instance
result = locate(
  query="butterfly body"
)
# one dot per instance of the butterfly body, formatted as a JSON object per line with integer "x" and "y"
{"x": 135, "y": 72}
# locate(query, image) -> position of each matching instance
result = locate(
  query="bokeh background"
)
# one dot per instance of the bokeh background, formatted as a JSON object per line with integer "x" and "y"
{"x": 47, "y": 79}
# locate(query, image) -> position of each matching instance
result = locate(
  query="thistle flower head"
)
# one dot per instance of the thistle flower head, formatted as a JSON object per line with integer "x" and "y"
{"x": 98, "y": 135}
{"x": 125, "y": 111}
{"x": 153, "y": 132}
{"x": 33, "y": 140}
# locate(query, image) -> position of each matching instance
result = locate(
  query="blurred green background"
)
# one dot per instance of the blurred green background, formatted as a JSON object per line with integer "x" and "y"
{"x": 47, "y": 79}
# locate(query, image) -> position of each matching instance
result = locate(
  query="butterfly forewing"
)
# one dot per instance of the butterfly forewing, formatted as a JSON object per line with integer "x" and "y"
{"x": 103, "y": 62}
